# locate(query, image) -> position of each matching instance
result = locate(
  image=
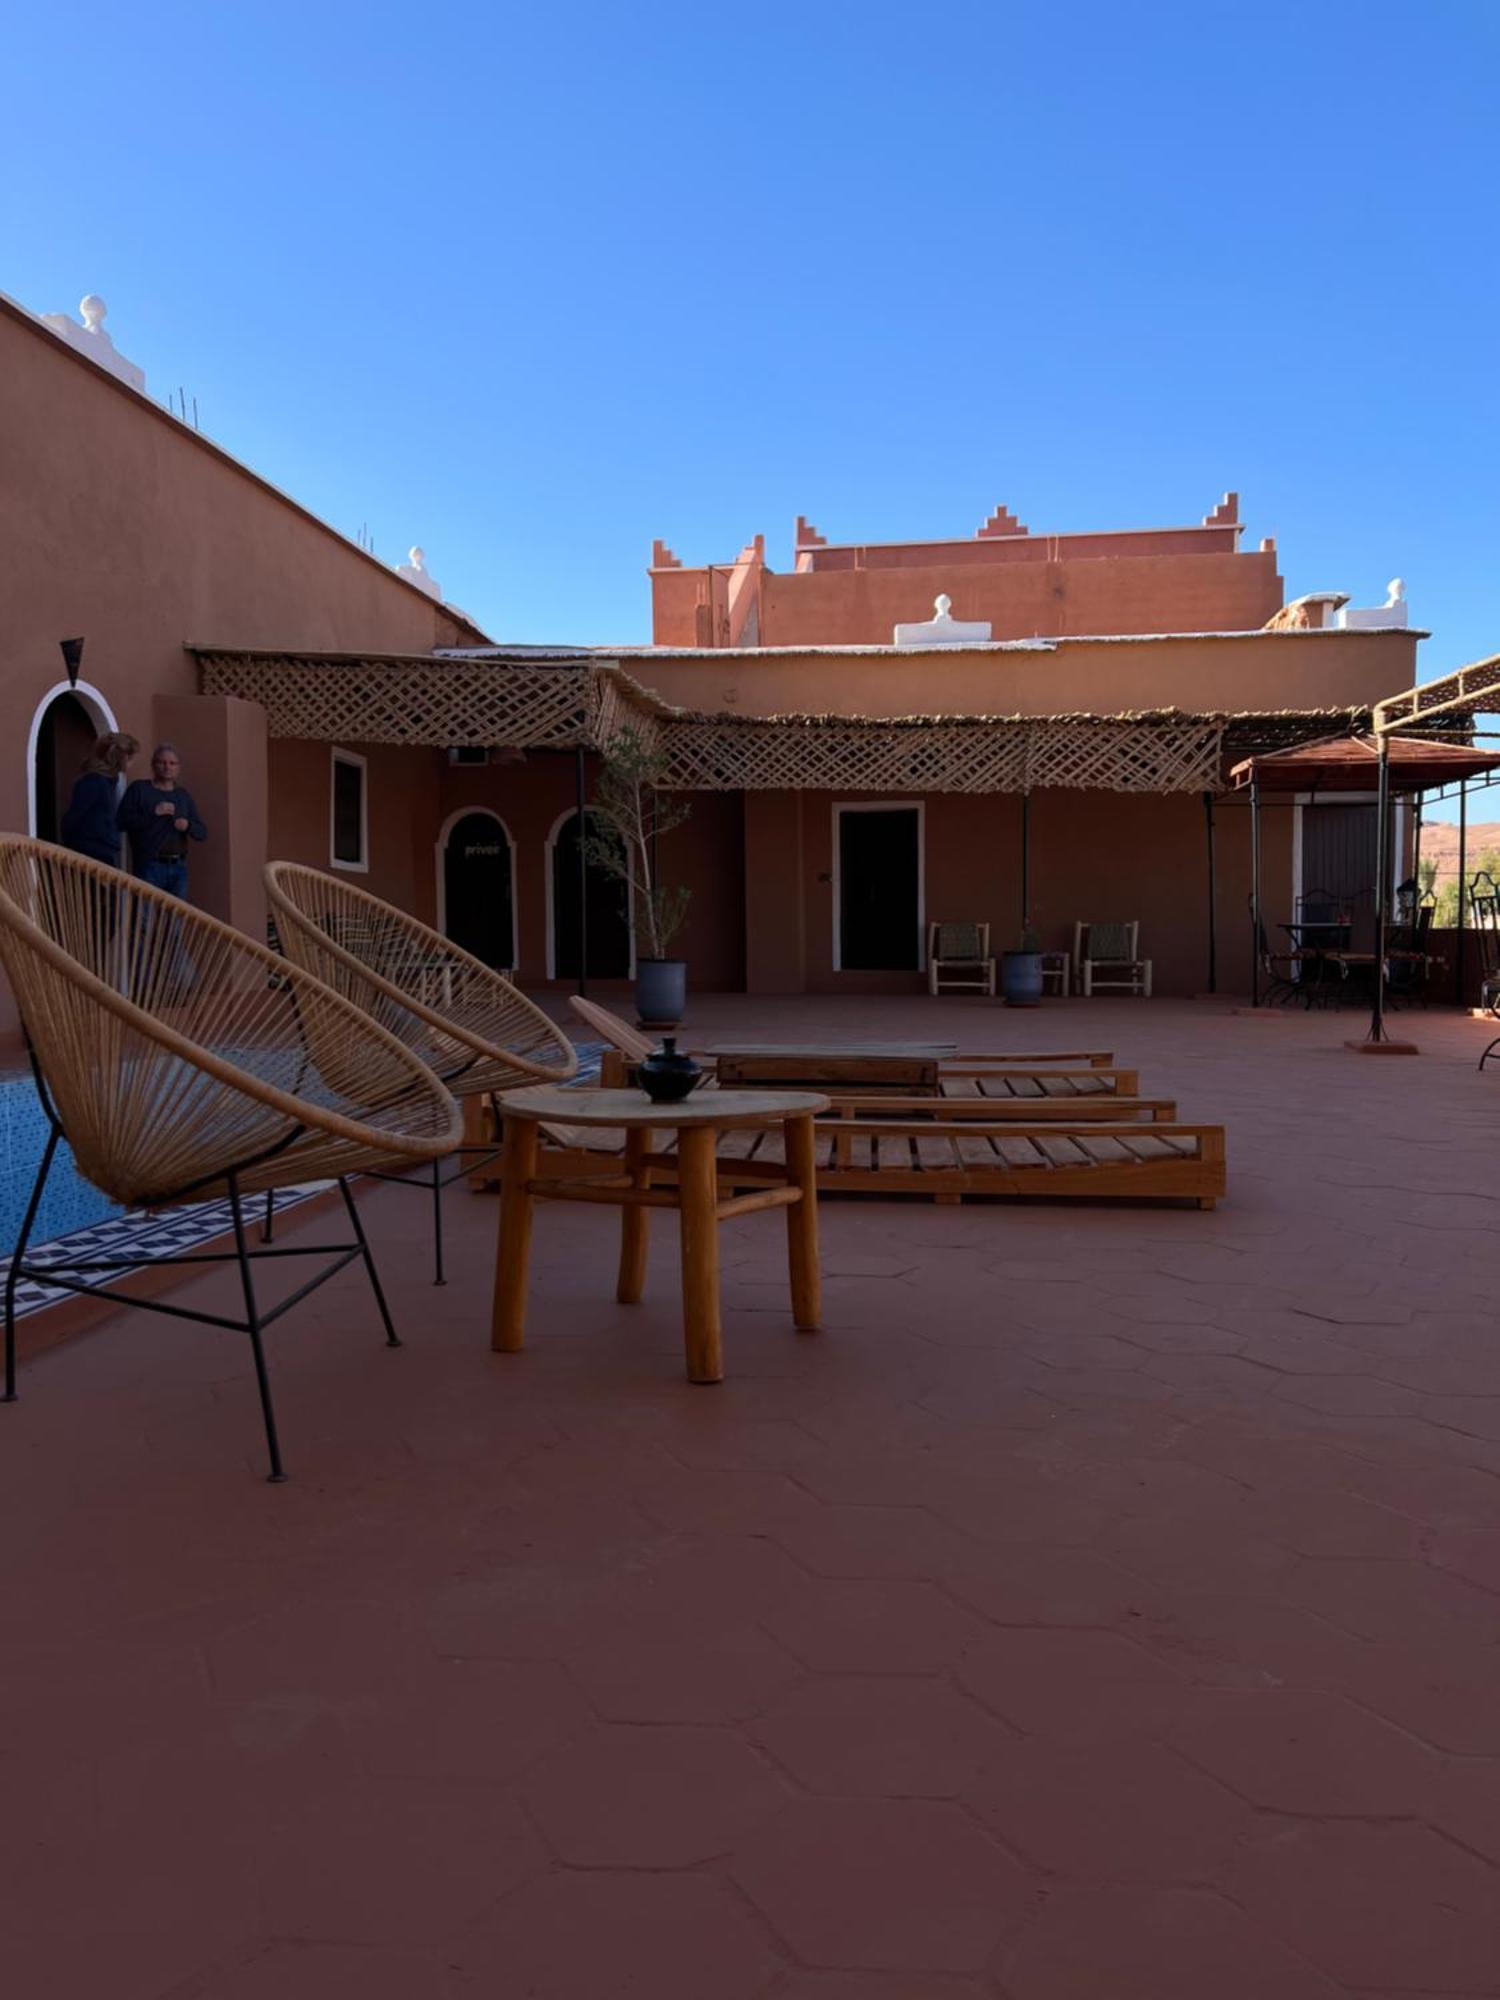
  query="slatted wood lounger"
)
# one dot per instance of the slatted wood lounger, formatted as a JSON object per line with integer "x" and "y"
{"x": 947, "y": 1161}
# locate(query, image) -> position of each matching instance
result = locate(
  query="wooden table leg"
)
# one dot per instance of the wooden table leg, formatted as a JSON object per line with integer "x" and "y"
{"x": 698, "y": 1194}
{"x": 635, "y": 1223}
{"x": 513, "y": 1249}
{"x": 802, "y": 1224}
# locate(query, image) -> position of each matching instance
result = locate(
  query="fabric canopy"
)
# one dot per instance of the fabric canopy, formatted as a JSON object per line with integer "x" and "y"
{"x": 1352, "y": 763}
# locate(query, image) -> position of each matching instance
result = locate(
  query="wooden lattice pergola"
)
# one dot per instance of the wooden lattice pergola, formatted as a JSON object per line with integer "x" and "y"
{"x": 583, "y": 701}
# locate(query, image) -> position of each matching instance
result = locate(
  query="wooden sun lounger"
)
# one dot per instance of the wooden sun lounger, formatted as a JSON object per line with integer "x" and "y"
{"x": 948, "y": 1160}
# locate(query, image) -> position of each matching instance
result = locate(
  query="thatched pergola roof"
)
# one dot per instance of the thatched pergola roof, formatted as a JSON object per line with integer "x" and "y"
{"x": 563, "y": 700}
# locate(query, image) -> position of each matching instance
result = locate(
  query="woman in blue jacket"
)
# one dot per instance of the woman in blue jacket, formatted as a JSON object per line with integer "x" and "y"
{"x": 89, "y": 824}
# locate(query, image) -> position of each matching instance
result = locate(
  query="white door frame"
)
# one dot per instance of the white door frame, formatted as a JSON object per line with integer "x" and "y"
{"x": 556, "y": 828}
{"x": 917, "y": 806}
{"x": 441, "y": 853}
{"x": 92, "y": 699}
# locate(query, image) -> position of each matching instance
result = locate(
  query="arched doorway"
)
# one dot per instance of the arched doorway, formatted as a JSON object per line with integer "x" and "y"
{"x": 63, "y": 729}
{"x": 477, "y": 887}
{"x": 610, "y": 952}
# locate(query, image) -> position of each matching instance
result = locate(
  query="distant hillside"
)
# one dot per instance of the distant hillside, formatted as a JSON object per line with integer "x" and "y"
{"x": 1440, "y": 844}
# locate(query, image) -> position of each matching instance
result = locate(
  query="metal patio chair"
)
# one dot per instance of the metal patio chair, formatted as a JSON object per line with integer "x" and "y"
{"x": 182, "y": 1061}
{"x": 466, "y": 1021}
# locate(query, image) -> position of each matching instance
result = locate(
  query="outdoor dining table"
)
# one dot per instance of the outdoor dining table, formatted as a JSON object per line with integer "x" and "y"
{"x": 632, "y": 1186}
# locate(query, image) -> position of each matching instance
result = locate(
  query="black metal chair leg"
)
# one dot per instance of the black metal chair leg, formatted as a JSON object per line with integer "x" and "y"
{"x": 437, "y": 1224}
{"x": 12, "y": 1276}
{"x": 364, "y": 1245}
{"x": 252, "y": 1322}
{"x": 268, "y": 1220}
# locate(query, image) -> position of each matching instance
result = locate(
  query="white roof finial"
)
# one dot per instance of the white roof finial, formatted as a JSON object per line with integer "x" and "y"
{"x": 415, "y": 570}
{"x": 91, "y": 339}
{"x": 1395, "y": 590}
{"x": 942, "y": 605}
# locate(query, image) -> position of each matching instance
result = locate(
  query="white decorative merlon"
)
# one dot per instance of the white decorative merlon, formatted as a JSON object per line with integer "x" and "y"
{"x": 1393, "y": 613}
{"x": 943, "y": 629}
{"x": 415, "y": 570}
{"x": 92, "y": 340}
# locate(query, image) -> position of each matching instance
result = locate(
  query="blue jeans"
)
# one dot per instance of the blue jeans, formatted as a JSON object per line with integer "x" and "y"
{"x": 168, "y": 875}
{"x": 176, "y": 974}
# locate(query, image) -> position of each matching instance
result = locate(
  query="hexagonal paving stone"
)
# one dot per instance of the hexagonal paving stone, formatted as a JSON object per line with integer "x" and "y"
{"x": 885, "y": 1884}
{"x": 1131, "y": 1811}
{"x": 1297, "y": 1751}
{"x": 1071, "y": 1686}
{"x": 585, "y": 1936}
{"x": 870, "y": 1627}
{"x": 1174, "y": 1944}
{"x": 880, "y": 1737}
{"x": 650, "y": 1798}
{"x": 1388, "y": 1906}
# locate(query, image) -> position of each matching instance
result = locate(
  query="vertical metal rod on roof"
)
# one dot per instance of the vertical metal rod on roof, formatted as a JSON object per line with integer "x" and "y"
{"x": 1463, "y": 856}
{"x": 1213, "y": 924}
{"x": 583, "y": 875}
{"x": 1382, "y": 870}
{"x": 1255, "y": 924}
{"x": 1025, "y": 862}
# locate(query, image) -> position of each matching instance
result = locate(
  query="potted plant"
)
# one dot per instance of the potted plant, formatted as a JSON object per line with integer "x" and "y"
{"x": 1021, "y": 970}
{"x": 623, "y": 826}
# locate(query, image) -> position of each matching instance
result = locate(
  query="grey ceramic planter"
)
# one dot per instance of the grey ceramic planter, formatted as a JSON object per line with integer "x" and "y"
{"x": 1021, "y": 978}
{"x": 660, "y": 991}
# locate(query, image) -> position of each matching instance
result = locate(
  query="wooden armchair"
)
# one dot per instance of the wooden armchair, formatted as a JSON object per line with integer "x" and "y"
{"x": 466, "y": 1021}
{"x": 958, "y": 957}
{"x": 1106, "y": 958}
{"x": 182, "y": 1061}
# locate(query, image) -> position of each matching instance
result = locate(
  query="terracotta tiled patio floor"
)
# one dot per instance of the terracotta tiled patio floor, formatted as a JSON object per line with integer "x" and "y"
{"x": 1106, "y": 1603}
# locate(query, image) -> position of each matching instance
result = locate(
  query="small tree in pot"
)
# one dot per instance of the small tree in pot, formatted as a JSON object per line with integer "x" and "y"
{"x": 623, "y": 825}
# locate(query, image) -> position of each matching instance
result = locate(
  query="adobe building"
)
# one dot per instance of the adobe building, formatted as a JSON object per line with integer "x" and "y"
{"x": 881, "y": 735}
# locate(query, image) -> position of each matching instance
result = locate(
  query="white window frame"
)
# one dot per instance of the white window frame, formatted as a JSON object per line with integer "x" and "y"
{"x": 917, "y": 806}
{"x": 547, "y": 859}
{"x": 336, "y": 757}
{"x": 481, "y": 812}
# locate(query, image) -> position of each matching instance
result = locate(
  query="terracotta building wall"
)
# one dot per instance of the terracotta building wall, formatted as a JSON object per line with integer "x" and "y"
{"x": 1095, "y": 857}
{"x": 1260, "y": 671}
{"x": 121, "y": 525}
{"x": 1023, "y": 600}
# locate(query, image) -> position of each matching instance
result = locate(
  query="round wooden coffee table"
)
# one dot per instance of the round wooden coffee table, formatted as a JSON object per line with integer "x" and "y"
{"x": 686, "y": 1180}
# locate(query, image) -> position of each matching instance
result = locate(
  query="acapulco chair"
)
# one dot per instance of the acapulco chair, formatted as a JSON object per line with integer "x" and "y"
{"x": 466, "y": 1021}
{"x": 183, "y": 1061}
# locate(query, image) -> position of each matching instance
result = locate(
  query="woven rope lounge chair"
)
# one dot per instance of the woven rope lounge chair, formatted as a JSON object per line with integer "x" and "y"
{"x": 959, "y": 957}
{"x": 466, "y": 1021}
{"x": 182, "y": 1061}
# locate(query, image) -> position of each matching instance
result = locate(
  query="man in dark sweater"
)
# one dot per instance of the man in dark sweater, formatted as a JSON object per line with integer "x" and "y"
{"x": 159, "y": 816}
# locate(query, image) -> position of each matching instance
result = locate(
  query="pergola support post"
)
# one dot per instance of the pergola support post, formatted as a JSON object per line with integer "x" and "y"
{"x": 1213, "y": 925}
{"x": 1255, "y": 922}
{"x": 583, "y": 874}
{"x": 1463, "y": 862}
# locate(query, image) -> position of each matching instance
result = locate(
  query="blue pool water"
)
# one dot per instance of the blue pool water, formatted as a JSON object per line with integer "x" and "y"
{"x": 69, "y": 1202}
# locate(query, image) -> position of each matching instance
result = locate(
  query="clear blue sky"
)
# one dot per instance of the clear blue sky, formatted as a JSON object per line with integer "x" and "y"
{"x": 531, "y": 285}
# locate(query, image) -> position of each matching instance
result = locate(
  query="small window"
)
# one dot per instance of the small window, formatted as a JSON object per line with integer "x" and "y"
{"x": 348, "y": 845}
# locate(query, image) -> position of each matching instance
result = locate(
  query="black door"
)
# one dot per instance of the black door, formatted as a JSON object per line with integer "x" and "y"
{"x": 480, "y": 916}
{"x": 608, "y": 925}
{"x": 62, "y": 746}
{"x": 879, "y": 890}
{"x": 1338, "y": 867}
